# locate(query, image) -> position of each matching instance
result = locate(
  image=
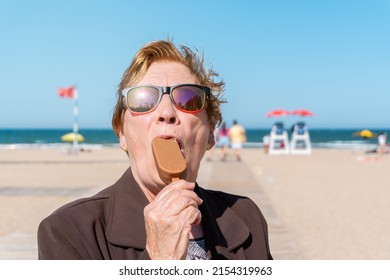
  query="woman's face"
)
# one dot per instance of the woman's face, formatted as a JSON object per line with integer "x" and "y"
{"x": 191, "y": 130}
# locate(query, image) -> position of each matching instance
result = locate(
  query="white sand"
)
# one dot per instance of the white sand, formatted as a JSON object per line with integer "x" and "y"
{"x": 333, "y": 204}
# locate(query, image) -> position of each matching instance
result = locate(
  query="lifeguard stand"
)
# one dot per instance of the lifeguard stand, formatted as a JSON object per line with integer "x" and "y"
{"x": 278, "y": 140}
{"x": 300, "y": 140}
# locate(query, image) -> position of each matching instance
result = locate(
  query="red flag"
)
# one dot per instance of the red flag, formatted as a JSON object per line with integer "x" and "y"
{"x": 66, "y": 92}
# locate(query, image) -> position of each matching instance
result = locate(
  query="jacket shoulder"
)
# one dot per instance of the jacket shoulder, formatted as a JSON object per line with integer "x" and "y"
{"x": 231, "y": 200}
{"x": 65, "y": 234}
{"x": 87, "y": 204}
{"x": 240, "y": 212}
{"x": 81, "y": 213}
{"x": 243, "y": 206}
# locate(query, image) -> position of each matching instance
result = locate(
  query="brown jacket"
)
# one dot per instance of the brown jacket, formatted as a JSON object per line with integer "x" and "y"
{"x": 110, "y": 225}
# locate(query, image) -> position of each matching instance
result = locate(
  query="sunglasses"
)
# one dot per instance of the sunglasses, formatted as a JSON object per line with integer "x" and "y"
{"x": 187, "y": 98}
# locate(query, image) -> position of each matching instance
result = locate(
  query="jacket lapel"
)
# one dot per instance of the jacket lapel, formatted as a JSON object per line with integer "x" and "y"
{"x": 126, "y": 226}
{"x": 224, "y": 230}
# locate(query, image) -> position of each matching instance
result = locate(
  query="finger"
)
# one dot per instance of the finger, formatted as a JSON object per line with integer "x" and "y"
{"x": 181, "y": 204}
{"x": 190, "y": 215}
{"x": 177, "y": 185}
{"x": 173, "y": 204}
{"x": 170, "y": 196}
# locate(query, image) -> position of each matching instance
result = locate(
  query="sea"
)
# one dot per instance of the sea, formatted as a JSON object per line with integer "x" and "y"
{"x": 98, "y": 138}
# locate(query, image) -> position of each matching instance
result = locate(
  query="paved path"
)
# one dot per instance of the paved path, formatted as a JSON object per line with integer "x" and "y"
{"x": 18, "y": 246}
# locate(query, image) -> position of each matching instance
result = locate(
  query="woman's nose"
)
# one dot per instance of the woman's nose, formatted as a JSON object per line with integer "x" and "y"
{"x": 166, "y": 111}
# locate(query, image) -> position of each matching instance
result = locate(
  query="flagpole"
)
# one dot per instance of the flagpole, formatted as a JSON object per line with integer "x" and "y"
{"x": 75, "y": 121}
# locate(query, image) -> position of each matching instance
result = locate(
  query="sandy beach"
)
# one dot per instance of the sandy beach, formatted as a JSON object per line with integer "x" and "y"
{"x": 332, "y": 204}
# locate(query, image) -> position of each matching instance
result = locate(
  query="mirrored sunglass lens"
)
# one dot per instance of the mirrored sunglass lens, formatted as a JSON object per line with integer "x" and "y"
{"x": 142, "y": 99}
{"x": 189, "y": 98}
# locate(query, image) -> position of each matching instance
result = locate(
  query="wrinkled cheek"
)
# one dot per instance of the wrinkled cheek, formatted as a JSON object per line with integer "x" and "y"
{"x": 193, "y": 162}
{"x": 136, "y": 147}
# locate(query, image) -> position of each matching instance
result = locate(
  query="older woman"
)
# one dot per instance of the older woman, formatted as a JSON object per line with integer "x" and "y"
{"x": 142, "y": 216}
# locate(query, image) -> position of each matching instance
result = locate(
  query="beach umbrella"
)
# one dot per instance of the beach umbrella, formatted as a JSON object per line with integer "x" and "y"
{"x": 365, "y": 133}
{"x": 277, "y": 113}
{"x": 69, "y": 137}
{"x": 302, "y": 113}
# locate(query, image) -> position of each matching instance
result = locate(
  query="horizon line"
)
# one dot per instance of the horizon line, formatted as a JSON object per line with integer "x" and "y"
{"x": 246, "y": 127}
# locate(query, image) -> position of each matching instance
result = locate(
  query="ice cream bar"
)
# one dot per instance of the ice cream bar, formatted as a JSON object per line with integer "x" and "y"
{"x": 170, "y": 162}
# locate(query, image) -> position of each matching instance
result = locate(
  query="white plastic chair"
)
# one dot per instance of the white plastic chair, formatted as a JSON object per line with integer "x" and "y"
{"x": 279, "y": 144}
{"x": 300, "y": 140}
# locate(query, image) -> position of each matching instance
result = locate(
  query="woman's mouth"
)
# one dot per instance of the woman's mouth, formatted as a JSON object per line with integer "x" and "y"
{"x": 176, "y": 139}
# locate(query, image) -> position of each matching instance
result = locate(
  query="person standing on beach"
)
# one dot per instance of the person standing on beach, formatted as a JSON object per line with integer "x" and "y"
{"x": 166, "y": 94}
{"x": 223, "y": 140}
{"x": 382, "y": 142}
{"x": 237, "y": 137}
{"x": 266, "y": 143}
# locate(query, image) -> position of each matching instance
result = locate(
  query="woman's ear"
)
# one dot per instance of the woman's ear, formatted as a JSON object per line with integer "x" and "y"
{"x": 211, "y": 140}
{"x": 122, "y": 142}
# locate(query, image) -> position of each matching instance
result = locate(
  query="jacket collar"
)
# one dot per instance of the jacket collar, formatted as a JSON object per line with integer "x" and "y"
{"x": 125, "y": 225}
{"x": 224, "y": 230}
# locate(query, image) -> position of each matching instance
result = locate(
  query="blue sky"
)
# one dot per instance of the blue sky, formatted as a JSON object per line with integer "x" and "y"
{"x": 331, "y": 57}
